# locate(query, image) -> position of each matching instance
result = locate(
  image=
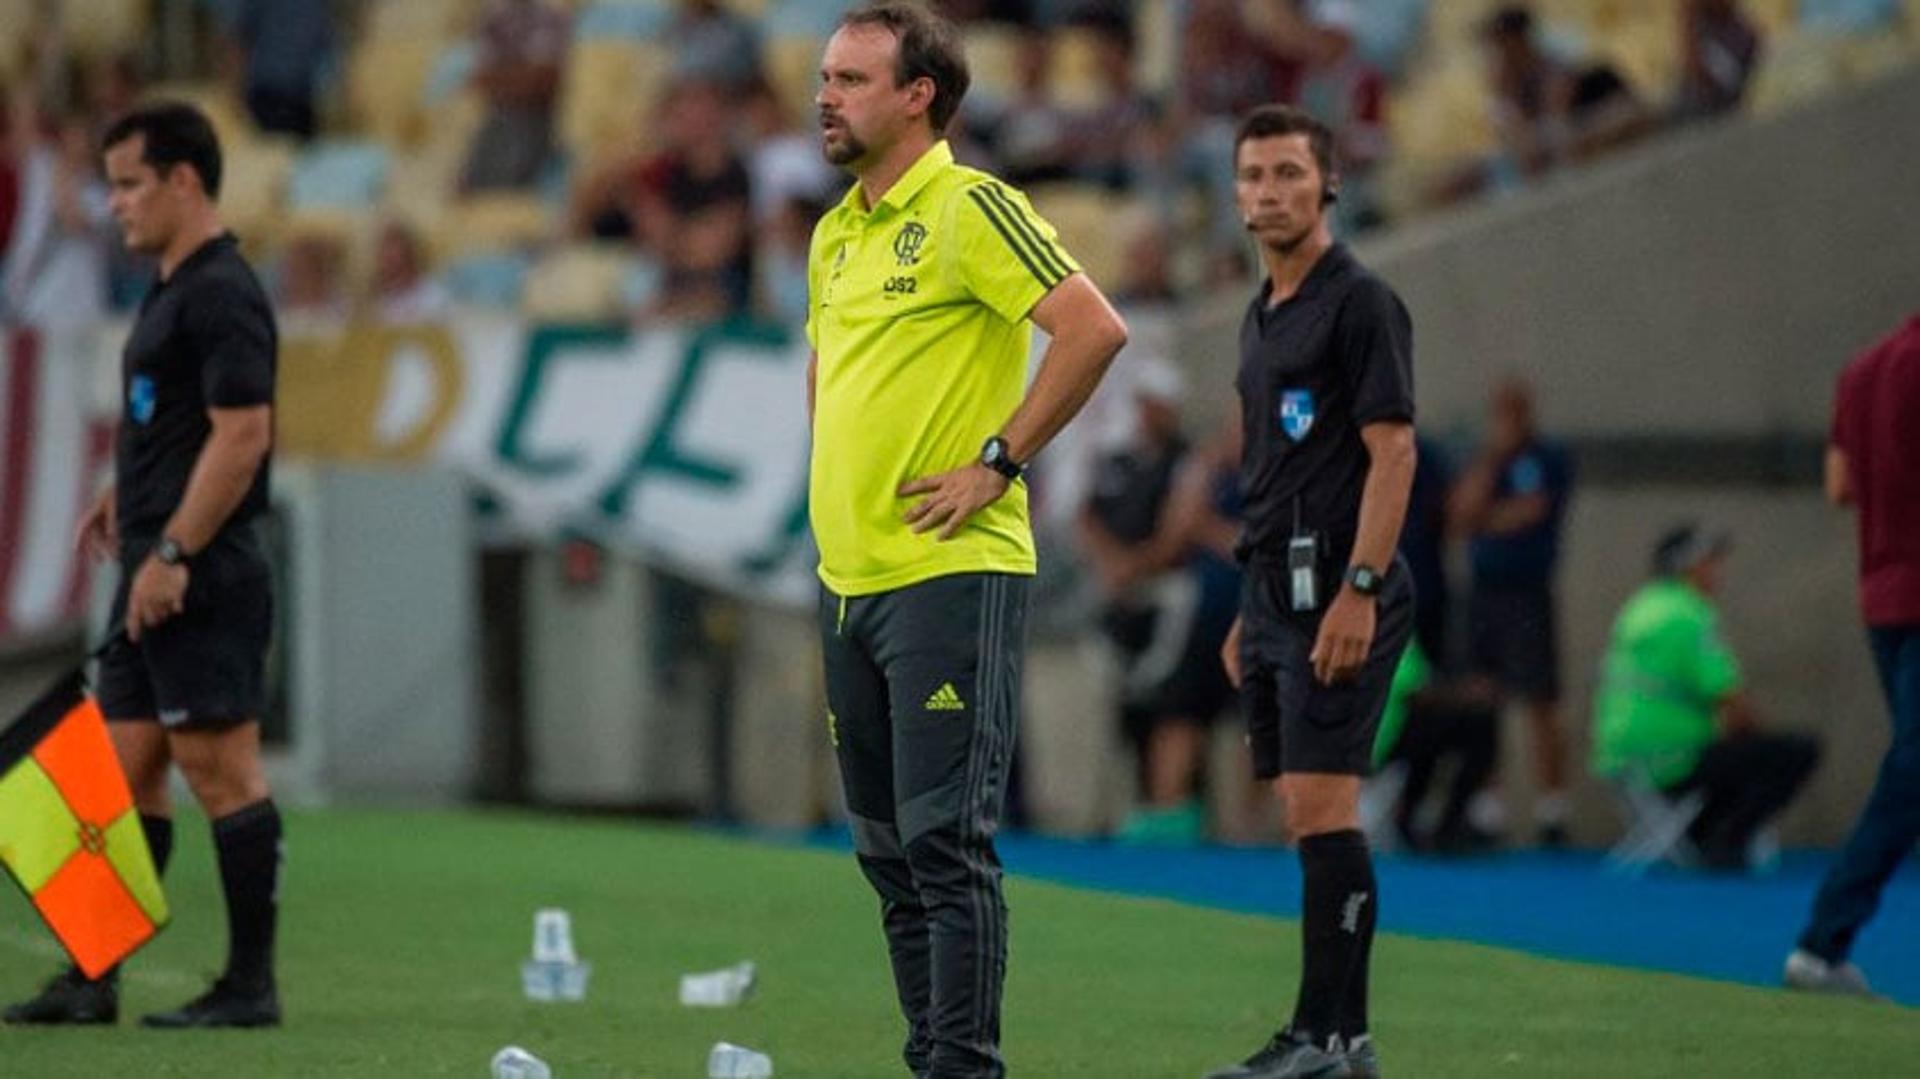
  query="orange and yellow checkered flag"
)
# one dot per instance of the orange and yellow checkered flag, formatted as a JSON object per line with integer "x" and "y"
{"x": 69, "y": 833}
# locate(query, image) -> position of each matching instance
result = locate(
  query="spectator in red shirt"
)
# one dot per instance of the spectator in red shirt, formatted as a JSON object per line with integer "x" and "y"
{"x": 1873, "y": 465}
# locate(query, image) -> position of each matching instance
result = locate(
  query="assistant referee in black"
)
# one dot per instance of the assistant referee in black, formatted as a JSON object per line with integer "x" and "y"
{"x": 1326, "y": 394}
{"x": 184, "y": 683}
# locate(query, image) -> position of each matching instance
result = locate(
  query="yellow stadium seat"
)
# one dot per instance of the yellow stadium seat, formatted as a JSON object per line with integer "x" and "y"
{"x": 1157, "y": 45}
{"x": 1796, "y": 70}
{"x": 609, "y": 89}
{"x": 228, "y": 114}
{"x": 992, "y": 54}
{"x": 253, "y": 185}
{"x": 1775, "y": 17}
{"x": 1085, "y": 216}
{"x": 1076, "y": 77}
{"x": 491, "y": 222}
{"x": 100, "y": 28}
{"x": 386, "y": 77}
{"x": 578, "y": 283}
{"x": 1647, "y": 54}
{"x": 1867, "y": 58}
{"x": 435, "y": 20}
{"x": 793, "y": 69}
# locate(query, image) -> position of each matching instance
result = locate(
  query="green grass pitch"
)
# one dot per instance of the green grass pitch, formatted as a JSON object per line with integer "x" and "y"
{"x": 402, "y": 934}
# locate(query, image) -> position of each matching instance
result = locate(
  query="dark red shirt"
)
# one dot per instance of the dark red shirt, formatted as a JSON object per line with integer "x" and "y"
{"x": 1876, "y": 424}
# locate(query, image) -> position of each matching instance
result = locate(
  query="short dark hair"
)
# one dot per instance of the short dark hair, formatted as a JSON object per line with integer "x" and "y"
{"x": 1273, "y": 121}
{"x": 929, "y": 49}
{"x": 175, "y": 133}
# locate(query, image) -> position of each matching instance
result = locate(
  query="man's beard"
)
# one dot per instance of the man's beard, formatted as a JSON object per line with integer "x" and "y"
{"x": 845, "y": 152}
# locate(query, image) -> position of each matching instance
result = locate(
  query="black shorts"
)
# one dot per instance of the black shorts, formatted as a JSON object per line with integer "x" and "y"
{"x": 206, "y": 666}
{"x": 1514, "y": 638}
{"x": 1294, "y": 723}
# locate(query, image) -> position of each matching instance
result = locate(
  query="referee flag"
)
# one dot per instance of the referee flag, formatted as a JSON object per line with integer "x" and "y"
{"x": 69, "y": 834}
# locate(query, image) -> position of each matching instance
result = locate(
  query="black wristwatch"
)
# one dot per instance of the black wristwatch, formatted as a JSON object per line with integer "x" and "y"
{"x": 1365, "y": 580}
{"x": 996, "y": 456}
{"x": 169, "y": 552}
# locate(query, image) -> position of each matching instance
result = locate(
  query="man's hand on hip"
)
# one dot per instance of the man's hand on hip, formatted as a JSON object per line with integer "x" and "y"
{"x": 952, "y": 497}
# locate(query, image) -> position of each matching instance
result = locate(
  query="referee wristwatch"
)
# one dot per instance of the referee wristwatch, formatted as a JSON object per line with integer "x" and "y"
{"x": 997, "y": 456}
{"x": 1365, "y": 580}
{"x": 169, "y": 552}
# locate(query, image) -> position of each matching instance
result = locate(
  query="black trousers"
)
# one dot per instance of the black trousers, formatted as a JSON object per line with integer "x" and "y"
{"x": 1436, "y": 732}
{"x": 923, "y": 691}
{"x": 1747, "y": 779}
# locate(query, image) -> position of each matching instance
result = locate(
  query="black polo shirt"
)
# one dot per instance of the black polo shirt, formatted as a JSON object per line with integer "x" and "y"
{"x": 1335, "y": 356}
{"x": 204, "y": 338}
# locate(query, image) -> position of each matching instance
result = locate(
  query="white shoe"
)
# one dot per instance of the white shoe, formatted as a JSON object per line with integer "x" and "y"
{"x": 1809, "y": 972}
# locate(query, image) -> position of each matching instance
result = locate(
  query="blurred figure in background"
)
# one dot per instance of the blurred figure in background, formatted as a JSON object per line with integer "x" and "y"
{"x": 1118, "y": 143}
{"x": 307, "y": 288}
{"x": 1671, "y": 705}
{"x": 693, "y": 209}
{"x": 1117, "y": 523}
{"x": 1511, "y": 503}
{"x": 53, "y": 258}
{"x": 1030, "y": 135}
{"x": 280, "y": 50}
{"x": 710, "y": 43}
{"x": 522, "y": 50}
{"x": 403, "y": 294}
{"x": 1873, "y": 465}
{"x": 1719, "y": 49}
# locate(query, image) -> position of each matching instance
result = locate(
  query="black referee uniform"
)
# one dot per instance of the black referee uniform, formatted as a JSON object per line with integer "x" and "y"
{"x": 204, "y": 338}
{"x": 1314, "y": 370}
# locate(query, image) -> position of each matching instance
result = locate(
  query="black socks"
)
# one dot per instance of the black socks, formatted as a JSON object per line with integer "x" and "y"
{"x": 1337, "y": 920}
{"x": 247, "y": 842}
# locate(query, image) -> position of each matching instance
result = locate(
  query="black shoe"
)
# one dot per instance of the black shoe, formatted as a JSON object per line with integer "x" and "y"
{"x": 71, "y": 997}
{"x": 1464, "y": 840}
{"x": 1362, "y": 1058}
{"x": 227, "y": 1004}
{"x": 1289, "y": 1056}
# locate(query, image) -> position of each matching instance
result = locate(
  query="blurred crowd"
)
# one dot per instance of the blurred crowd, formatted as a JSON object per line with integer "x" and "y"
{"x": 704, "y": 213}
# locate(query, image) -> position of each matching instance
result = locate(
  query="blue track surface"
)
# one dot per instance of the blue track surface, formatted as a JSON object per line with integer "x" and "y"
{"x": 1561, "y": 905}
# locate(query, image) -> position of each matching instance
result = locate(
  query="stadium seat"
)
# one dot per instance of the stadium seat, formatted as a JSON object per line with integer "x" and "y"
{"x": 252, "y": 190}
{"x": 340, "y": 173}
{"x": 1085, "y": 216}
{"x": 492, "y": 222}
{"x": 387, "y": 79}
{"x": 1656, "y": 826}
{"x": 610, "y": 86}
{"x": 805, "y": 18}
{"x": 431, "y": 20}
{"x": 492, "y": 280}
{"x": 579, "y": 283}
{"x": 228, "y": 114}
{"x": 1076, "y": 81}
{"x": 793, "y": 69}
{"x": 1796, "y": 70}
{"x": 92, "y": 29}
{"x": 992, "y": 53}
{"x": 629, "y": 20}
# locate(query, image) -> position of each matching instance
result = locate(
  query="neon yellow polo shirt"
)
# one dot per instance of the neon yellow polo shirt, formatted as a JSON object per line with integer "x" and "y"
{"x": 1666, "y": 671}
{"x": 918, "y": 311}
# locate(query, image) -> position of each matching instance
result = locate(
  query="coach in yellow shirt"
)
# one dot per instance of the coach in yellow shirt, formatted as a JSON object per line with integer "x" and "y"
{"x": 922, "y": 283}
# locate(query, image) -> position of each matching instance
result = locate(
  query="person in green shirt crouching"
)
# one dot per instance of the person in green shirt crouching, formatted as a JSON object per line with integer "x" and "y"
{"x": 1672, "y": 708}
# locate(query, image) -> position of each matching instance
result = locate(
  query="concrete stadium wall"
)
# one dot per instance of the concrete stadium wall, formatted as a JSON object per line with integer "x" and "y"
{"x": 1709, "y": 283}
